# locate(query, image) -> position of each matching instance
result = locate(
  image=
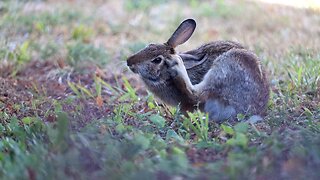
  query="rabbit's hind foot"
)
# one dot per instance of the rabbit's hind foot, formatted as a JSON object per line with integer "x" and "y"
{"x": 218, "y": 111}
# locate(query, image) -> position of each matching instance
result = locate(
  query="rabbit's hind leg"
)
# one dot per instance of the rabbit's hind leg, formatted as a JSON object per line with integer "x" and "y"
{"x": 218, "y": 111}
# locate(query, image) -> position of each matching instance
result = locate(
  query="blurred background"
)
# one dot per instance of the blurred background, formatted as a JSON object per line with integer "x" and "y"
{"x": 106, "y": 32}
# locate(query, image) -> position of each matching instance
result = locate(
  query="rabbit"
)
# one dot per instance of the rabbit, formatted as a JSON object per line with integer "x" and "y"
{"x": 220, "y": 78}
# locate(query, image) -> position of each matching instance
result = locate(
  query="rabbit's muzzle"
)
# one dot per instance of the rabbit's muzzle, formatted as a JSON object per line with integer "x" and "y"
{"x": 133, "y": 68}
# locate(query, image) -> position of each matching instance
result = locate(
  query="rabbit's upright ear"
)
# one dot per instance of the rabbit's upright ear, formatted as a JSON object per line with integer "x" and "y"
{"x": 183, "y": 33}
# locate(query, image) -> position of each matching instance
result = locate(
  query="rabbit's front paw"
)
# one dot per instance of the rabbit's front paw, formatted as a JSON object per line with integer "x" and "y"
{"x": 171, "y": 68}
{"x": 176, "y": 68}
{"x": 179, "y": 74}
{"x": 174, "y": 73}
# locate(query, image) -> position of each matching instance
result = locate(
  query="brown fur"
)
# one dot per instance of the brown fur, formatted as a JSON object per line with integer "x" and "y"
{"x": 150, "y": 52}
{"x": 221, "y": 78}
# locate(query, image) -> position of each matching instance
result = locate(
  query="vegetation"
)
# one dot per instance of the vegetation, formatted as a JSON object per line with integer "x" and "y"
{"x": 70, "y": 109}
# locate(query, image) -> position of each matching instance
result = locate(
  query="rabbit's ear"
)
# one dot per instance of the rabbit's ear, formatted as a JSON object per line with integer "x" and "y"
{"x": 192, "y": 60}
{"x": 183, "y": 33}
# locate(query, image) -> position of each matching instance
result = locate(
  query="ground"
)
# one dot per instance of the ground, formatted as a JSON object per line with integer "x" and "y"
{"x": 71, "y": 109}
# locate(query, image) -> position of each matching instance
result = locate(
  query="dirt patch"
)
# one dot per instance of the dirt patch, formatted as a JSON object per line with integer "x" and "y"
{"x": 36, "y": 92}
{"x": 13, "y": 92}
{"x": 40, "y": 86}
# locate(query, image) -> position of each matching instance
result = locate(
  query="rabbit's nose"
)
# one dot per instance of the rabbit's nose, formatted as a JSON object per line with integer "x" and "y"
{"x": 133, "y": 68}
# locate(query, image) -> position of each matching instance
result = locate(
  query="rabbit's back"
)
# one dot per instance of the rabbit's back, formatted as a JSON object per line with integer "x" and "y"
{"x": 208, "y": 53}
{"x": 236, "y": 78}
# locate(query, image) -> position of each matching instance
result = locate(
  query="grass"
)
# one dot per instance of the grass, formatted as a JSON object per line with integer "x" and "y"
{"x": 70, "y": 109}
{"x": 79, "y": 53}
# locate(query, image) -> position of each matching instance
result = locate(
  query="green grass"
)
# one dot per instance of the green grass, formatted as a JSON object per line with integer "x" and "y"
{"x": 79, "y": 53}
{"x": 141, "y": 5}
{"x": 69, "y": 110}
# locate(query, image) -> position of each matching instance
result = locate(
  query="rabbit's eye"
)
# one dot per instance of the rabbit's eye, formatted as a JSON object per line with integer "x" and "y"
{"x": 157, "y": 60}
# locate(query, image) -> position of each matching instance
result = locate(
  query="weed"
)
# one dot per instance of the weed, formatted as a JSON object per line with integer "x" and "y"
{"x": 39, "y": 22}
{"x": 78, "y": 53}
{"x": 217, "y": 8}
{"x": 131, "y": 93}
{"x": 198, "y": 123}
{"x": 17, "y": 53}
{"x": 49, "y": 50}
{"x": 239, "y": 135}
{"x": 74, "y": 89}
{"x": 303, "y": 72}
{"x": 134, "y": 47}
{"x": 82, "y": 33}
{"x": 158, "y": 121}
{"x": 141, "y": 5}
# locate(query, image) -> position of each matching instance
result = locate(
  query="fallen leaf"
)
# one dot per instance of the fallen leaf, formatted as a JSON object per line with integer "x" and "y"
{"x": 99, "y": 101}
